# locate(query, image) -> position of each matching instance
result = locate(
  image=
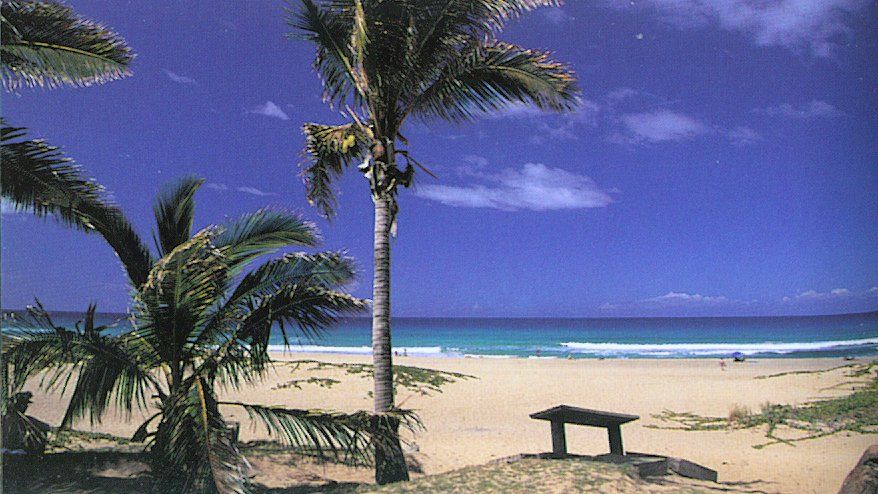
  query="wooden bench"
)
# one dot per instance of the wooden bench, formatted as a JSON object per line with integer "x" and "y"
{"x": 564, "y": 414}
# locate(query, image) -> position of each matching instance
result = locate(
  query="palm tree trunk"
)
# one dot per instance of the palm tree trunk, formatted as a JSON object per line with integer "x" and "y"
{"x": 389, "y": 459}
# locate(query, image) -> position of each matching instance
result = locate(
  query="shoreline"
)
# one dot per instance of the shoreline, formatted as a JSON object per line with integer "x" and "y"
{"x": 728, "y": 351}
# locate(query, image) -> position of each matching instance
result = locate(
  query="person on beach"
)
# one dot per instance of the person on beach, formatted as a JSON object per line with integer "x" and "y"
{"x": 722, "y": 364}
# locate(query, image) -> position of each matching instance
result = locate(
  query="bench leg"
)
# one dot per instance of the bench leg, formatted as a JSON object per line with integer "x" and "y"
{"x": 559, "y": 440}
{"x": 615, "y": 433}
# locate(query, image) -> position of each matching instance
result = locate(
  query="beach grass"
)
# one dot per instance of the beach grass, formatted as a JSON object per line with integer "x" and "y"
{"x": 531, "y": 475}
{"x": 417, "y": 380}
{"x": 856, "y": 412}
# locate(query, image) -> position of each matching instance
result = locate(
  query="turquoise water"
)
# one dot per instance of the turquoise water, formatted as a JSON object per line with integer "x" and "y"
{"x": 765, "y": 337}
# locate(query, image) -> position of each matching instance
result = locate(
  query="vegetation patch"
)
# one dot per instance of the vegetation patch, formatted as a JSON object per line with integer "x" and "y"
{"x": 856, "y": 412}
{"x": 60, "y": 441}
{"x": 418, "y": 380}
{"x": 537, "y": 475}
{"x": 857, "y": 370}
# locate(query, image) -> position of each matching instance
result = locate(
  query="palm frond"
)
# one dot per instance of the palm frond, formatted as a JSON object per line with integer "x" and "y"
{"x": 192, "y": 445}
{"x": 47, "y": 44}
{"x": 329, "y": 149}
{"x": 331, "y": 34}
{"x": 307, "y": 310}
{"x": 263, "y": 232}
{"x": 37, "y": 177}
{"x": 142, "y": 433}
{"x": 493, "y": 75}
{"x": 136, "y": 258}
{"x": 175, "y": 299}
{"x": 358, "y": 45}
{"x": 443, "y": 26}
{"x": 19, "y": 430}
{"x": 107, "y": 370}
{"x": 341, "y": 436}
{"x": 444, "y": 19}
{"x": 174, "y": 211}
{"x": 278, "y": 292}
{"x": 331, "y": 270}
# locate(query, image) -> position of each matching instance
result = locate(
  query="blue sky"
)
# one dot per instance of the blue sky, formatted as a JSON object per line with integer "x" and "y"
{"x": 724, "y": 161}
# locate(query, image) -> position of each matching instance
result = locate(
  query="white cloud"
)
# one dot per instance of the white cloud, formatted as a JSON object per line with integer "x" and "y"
{"x": 246, "y": 190}
{"x": 254, "y": 191}
{"x": 814, "y": 25}
{"x": 476, "y": 160}
{"x": 179, "y": 79}
{"x": 742, "y": 136}
{"x": 813, "y": 109}
{"x": 564, "y": 132}
{"x": 570, "y": 126}
{"x": 216, "y": 186}
{"x": 810, "y": 295}
{"x": 586, "y": 112}
{"x": 621, "y": 94}
{"x": 557, "y": 15}
{"x": 679, "y": 298}
{"x": 536, "y": 187}
{"x": 662, "y": 125}
{"x": 473, "y": 166}
{"x": 269, "y": 109}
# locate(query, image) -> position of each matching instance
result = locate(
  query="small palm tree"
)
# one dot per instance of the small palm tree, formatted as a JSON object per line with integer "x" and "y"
{"x": 385, "y": 61}
{"x": 194, "y": 330}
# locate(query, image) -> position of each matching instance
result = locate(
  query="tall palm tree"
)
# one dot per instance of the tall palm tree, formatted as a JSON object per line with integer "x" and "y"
{"x": 46, "y": 44}
{"x": 384, "y": 61}
{"x": 194, "y": 330}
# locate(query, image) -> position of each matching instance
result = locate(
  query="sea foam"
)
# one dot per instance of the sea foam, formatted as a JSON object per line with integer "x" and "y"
{"x": 420, "y": 351}
{"x": 663, "y": 349}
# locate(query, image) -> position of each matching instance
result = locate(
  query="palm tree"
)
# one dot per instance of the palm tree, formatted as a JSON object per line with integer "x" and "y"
{"x": 384, "y": 61}
{"x": 49, "y": 45}
{"x": 194, "y": 330}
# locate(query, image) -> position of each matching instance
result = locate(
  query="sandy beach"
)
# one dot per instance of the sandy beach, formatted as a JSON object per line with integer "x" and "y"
{"x": 476, "y": 420}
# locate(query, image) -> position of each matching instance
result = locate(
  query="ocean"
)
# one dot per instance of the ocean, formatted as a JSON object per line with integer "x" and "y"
{"x": 853, "y": 335}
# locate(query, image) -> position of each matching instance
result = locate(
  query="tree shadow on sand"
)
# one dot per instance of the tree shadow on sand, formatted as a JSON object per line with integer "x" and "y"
{"x": 90, "y": 472}
{"x": 743, "y": 486}
{"x": 112, "y": 472}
